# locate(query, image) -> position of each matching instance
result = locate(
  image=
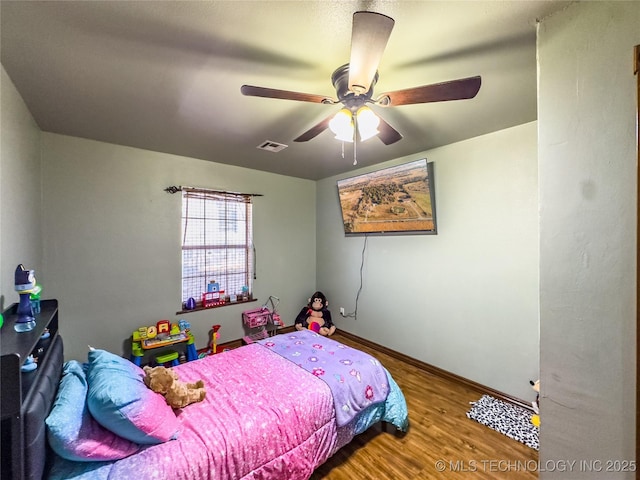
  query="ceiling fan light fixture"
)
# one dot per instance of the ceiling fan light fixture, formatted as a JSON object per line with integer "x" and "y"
{"x": 342, "y": 125}
{"x": 354, "y": 84}
{"x": 367, "y": 122}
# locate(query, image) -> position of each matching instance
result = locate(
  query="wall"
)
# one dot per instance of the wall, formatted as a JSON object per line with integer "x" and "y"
{"x": 465, "y": 300}
{"x": 588, "y": 215}
{"x": 112, "y": 250}
{"x": 20, "y": 191}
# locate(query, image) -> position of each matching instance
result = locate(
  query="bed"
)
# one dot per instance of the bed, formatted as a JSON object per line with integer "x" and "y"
{"x": 274, "y": 409}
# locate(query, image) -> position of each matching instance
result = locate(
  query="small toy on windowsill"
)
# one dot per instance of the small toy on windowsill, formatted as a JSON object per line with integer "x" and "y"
{"x": 316, "y": 316}
{"x": 213, "y": 296}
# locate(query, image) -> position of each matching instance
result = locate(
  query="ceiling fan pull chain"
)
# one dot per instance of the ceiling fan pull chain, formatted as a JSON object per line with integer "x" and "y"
{"x": 343, "y": 150}
{"x": 355, "y": 150}
{"x": 355, "y": 140}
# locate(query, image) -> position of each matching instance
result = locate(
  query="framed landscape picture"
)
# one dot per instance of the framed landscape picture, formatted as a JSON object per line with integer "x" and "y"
{"x": 394, "y": 200}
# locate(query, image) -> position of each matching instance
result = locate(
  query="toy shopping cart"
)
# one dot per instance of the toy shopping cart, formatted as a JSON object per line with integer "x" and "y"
{"x": 262, "y": 322}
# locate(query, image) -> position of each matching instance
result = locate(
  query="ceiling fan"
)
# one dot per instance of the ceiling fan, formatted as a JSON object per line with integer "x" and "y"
{"x": 354, "y": 83}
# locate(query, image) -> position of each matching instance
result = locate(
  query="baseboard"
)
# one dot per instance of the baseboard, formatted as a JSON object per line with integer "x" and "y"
{"x": 483, "y": 389}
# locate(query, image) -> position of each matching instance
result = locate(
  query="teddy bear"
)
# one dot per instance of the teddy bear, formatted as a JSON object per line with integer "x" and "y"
{"x": 177, "y": 394}
{"x": 316, "y": 316}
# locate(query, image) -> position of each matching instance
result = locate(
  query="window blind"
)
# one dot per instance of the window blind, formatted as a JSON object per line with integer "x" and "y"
{"x": 217, "y": 242}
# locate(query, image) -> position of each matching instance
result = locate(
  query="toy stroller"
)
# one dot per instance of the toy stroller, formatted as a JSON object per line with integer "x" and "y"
{"x": 262, "y": 322}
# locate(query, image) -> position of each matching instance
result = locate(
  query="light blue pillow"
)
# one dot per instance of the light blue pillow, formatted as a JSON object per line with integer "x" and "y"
{"x": 120, "y": 401}
{"x": 72, "y": 432}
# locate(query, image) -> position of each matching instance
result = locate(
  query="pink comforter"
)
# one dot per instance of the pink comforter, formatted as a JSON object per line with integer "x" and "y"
{"x": 277, "y": 419}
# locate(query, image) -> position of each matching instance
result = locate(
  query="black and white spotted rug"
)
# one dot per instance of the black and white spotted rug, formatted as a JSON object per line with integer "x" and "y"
{"x": 506, "y": 418}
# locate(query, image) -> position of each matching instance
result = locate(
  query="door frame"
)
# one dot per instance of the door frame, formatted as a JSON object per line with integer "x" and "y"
{"x": 636, "y": 71}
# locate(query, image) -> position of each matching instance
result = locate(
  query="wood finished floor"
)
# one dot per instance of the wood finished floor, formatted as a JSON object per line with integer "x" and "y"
{"x": 439, "y": 431}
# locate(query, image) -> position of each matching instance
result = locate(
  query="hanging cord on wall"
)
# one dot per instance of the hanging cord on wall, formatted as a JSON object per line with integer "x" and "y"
{"x": 354, "y": 314}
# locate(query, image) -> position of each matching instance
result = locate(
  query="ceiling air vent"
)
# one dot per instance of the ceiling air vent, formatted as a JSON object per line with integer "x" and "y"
{"x": 272, "y": 146}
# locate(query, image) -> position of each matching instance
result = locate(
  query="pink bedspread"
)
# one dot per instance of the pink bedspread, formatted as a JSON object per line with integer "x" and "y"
{"x": 356, "y": 379}
{"x": 277, "y": 419}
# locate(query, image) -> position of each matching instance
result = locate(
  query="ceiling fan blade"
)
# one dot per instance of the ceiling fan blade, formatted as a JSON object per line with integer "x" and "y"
{"x": 461, "y": 89}
{"x": 253, "y": 91}
{"x": 369, "y": 38}
{"x": 388, "y": 134}
{"x": 316, "y": 130}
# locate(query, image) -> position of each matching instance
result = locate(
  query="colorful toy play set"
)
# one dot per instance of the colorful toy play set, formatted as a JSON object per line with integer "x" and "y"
{"x": 213, "y": 296}
{"x": 163, "y": 334}
{"x": 262, "y": 322}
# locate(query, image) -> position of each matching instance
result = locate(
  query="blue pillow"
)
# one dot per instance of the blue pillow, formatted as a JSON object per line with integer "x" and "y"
{"x": 120, "y": 401}
{"x": 72, "y": 432}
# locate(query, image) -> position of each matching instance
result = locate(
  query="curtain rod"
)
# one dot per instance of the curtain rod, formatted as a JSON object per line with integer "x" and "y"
{"x": 173, "y": 189}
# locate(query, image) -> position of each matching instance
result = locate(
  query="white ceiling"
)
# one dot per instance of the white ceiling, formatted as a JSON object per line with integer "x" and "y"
{"x": 166, "y": 76}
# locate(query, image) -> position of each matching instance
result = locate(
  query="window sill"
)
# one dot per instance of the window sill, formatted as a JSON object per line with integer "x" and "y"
{"x": 200, "y": 308}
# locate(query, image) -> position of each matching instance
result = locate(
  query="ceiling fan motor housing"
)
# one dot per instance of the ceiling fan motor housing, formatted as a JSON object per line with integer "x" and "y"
{"x": 351, "y": 100}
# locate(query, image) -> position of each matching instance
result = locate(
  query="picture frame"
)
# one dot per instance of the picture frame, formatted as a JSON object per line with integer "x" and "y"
{"x": 394, "y": 200}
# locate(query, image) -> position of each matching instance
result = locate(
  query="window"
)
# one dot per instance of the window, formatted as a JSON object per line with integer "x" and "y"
{"x": 217, "y": 243}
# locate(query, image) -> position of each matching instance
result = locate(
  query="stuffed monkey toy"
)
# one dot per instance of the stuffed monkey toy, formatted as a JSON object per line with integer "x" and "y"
{"x": 316, "y": 316}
